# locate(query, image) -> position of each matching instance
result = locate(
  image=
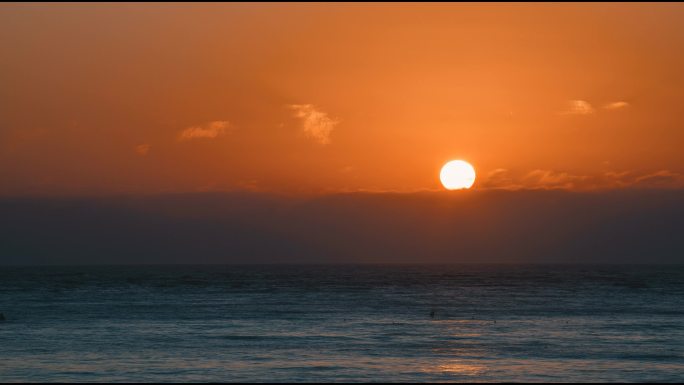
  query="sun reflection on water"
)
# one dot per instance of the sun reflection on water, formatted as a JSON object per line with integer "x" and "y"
{"x": 460, "y": 368}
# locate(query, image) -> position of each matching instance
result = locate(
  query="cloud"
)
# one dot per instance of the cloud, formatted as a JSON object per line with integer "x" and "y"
{"x": 662, "y": 178}
{"x": 578, "y": 107}
{"x": 616, "y": 105}
{"x": 549, "y": 179}
{"x": 499, "y": 178}
{"x": 142, "y": 149}
{"x": 582, "y": 107}
{"x": 210, "y": 130}
{"x": 534, "y": 180}
{"x": 561, "y": 180}
{"x": 316, "y": 124}
{"x": 248, "y": 185}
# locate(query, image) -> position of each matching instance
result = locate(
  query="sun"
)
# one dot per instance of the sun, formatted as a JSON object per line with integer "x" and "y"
{"x": 457, "y": 175}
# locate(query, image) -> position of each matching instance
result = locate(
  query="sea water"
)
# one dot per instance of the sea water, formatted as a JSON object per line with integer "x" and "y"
{"x": 342, "y": 323}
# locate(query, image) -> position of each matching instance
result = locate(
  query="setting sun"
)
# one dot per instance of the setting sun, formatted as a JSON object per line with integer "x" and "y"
{"x": 457, "y": 174}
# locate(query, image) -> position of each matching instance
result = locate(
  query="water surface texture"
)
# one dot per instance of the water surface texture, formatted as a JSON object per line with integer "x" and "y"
{"x": 342, "y": 323}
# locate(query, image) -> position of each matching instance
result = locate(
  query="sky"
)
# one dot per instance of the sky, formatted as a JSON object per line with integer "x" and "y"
{"x": 315, "y": 133}
{"x": 101, "y": 99}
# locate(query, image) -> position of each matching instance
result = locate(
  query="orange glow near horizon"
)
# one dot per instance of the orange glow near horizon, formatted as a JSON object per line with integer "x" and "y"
{"x": 325, "y": 98}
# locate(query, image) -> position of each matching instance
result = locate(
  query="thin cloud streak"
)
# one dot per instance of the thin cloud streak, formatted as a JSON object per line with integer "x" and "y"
{"x": 578, "y": 107}
{"x": 142, "y": 149}
{"x": 210, "y": 130}
{"x": 560, "y": 180}
{"x": 616, "y": 105}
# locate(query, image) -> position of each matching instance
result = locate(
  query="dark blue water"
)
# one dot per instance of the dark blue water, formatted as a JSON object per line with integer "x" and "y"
{"x": 342, "y": 323}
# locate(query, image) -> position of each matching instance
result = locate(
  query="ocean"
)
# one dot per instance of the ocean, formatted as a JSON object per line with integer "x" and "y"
{"x": 342, "y": 323}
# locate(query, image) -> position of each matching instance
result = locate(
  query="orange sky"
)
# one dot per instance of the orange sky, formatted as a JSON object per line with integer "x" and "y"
{"x": 108, "y": 98}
